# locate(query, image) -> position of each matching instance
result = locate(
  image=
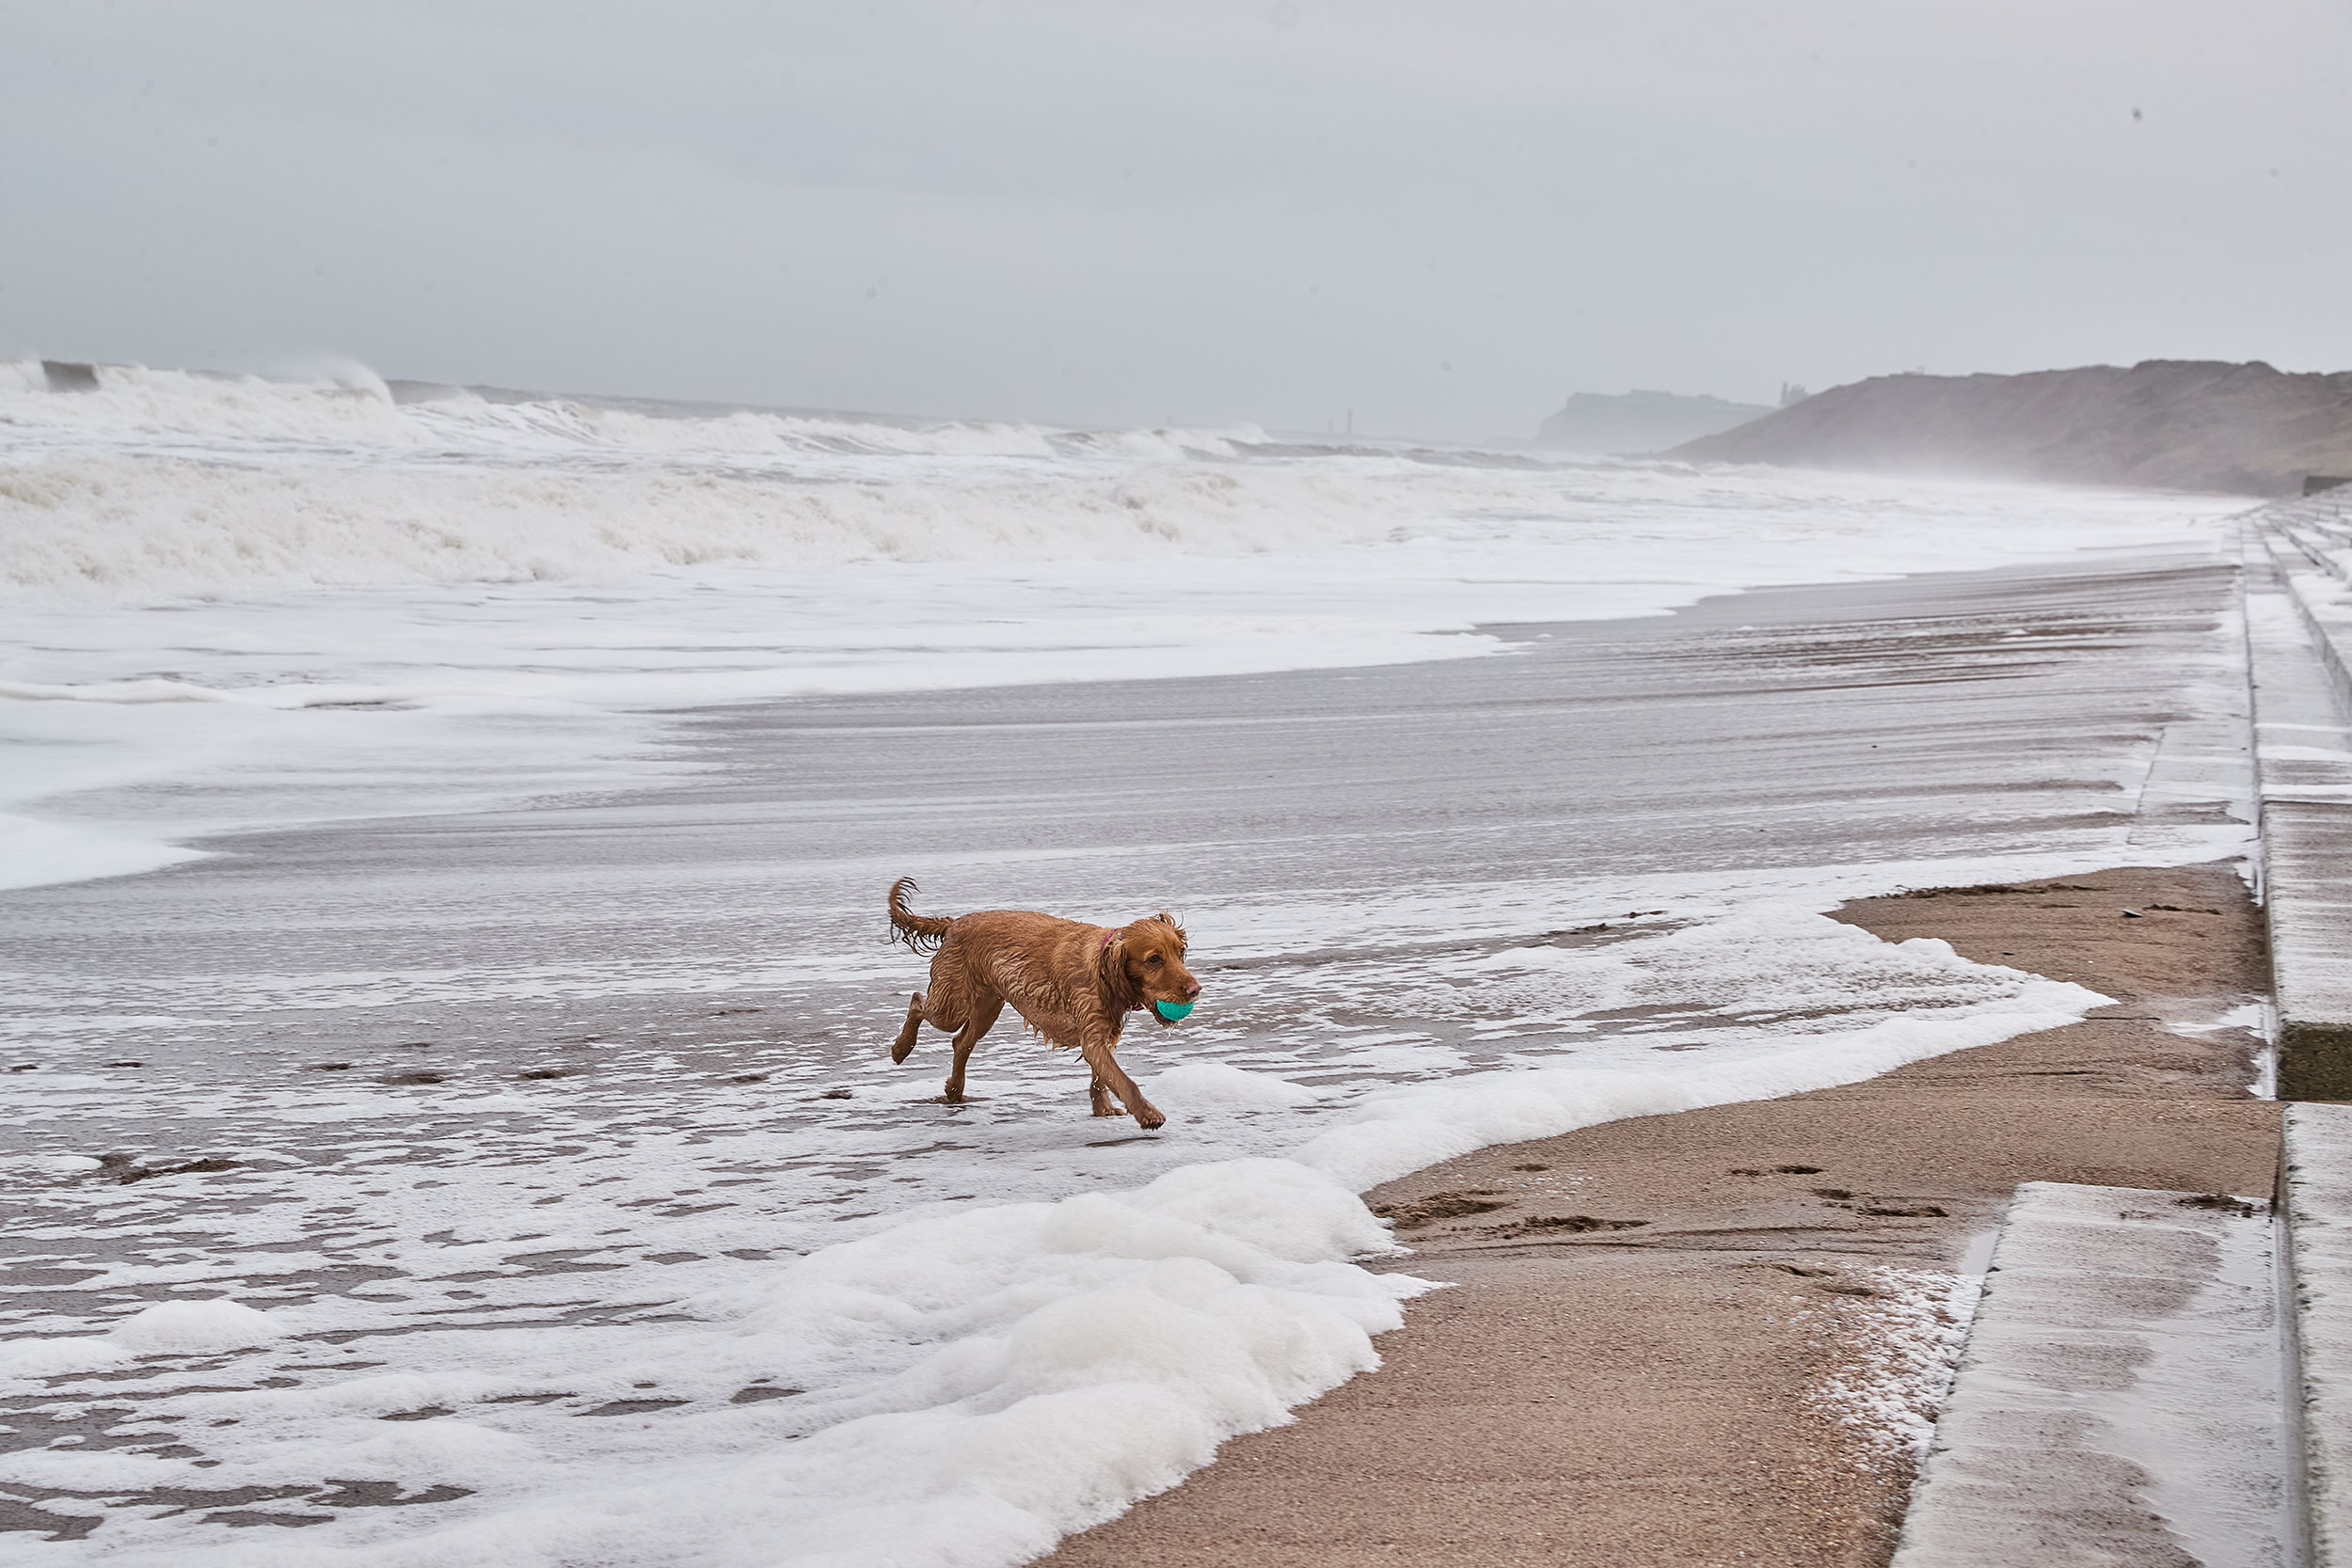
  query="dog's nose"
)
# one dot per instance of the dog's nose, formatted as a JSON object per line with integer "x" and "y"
{"x": 1192, "y": 988}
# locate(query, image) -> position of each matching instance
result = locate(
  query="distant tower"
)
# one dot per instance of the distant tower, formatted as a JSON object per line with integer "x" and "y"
{"x": 1790, "y": 392}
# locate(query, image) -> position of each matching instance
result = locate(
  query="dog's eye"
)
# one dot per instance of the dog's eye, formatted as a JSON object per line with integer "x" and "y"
{"x": 1152, "y": 959}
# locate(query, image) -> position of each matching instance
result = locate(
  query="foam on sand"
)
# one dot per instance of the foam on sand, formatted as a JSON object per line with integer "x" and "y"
{"x": 1419, "y": 1127}
{"x": 958, "y": 1390}
{"x": 167, "y": 1328}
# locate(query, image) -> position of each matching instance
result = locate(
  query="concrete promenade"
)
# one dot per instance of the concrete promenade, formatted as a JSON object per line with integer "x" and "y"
{"x": 2299, "y": 616}
{"x": 2118, "y": 1325}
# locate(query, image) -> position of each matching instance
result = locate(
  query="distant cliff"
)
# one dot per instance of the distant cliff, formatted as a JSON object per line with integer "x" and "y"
{"x": 1638, "y": 422}
{"x": 2164, "y": 423}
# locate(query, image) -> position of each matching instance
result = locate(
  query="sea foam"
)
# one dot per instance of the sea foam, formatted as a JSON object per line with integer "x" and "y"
{"x": 953, "y": 1389}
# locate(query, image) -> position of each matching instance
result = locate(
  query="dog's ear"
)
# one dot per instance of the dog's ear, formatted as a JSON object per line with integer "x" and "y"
{"x": 1120, "y": 988}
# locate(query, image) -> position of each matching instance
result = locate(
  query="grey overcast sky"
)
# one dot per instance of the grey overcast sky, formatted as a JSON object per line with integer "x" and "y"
{"x": 1443, "y": 217}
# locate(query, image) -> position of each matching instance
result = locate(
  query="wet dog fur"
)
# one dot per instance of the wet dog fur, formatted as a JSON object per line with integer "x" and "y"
{"x": 1072, "y": 983}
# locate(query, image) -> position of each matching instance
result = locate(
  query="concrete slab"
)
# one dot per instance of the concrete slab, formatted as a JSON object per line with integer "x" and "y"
{"x": 2298, "y": 637}
{"x": 2319, "y": 526}
{"x": 2318, "y": 1189}
{"x": 2323, "y": 600}
{"x": 2122, "y": 1399}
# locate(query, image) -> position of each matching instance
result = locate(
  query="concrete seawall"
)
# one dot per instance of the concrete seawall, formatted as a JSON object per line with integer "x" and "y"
{"x": 2298, "y": 613}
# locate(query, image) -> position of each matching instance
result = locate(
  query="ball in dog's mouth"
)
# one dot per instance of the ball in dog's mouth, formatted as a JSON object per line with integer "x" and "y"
{"x": 1170, "y": 1011}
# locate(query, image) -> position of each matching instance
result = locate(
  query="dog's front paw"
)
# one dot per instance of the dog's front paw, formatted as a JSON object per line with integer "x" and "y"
{"x": 1150, "y": 1119}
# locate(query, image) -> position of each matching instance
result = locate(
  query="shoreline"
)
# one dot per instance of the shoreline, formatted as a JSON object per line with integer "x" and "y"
{"x": 1738, "y": 1374}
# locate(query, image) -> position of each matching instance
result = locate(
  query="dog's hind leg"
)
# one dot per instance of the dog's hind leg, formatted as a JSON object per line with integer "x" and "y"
{"x": 978, "y": 1022}
{"x": 905, "y": 1042}
{"x": 942, "y": 1006}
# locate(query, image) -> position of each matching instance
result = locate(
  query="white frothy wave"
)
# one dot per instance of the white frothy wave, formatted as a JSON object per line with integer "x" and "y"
{"x": 165, "y": 483}
{"x": 146, "y": 525}
{"x": 161, "y": 482}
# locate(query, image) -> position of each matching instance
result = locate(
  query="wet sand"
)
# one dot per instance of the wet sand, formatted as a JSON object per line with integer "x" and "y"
{"x": 1664, "y": 1393}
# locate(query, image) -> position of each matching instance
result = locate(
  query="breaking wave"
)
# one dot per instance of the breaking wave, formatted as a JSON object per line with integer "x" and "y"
{"x": 166, "y": 481}
{"x": 145, "y": 485}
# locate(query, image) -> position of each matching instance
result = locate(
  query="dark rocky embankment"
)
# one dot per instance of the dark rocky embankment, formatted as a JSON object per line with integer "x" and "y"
{"x": 2164, "y": 423}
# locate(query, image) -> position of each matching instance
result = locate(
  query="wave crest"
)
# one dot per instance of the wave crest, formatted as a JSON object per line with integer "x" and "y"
{"x": 348, "y": 407}
{"x": 132, "y": 526}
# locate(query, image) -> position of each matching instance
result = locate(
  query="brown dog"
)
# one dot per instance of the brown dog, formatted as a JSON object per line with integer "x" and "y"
{"x": 1074, "y": 984}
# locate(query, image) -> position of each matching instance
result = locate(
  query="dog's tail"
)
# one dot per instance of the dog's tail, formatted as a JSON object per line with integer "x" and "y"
{"x": 922, "y": 933}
